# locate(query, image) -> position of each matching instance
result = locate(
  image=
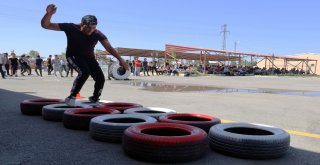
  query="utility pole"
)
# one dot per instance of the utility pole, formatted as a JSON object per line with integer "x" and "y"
{"x": 224, "y": 32}
{"x": 224, "y": 41}
{"x": 235, "y": 46}
{"x": 235, "y": 50}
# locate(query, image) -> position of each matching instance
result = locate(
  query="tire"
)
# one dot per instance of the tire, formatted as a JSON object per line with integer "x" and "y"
{"x": 110, "y": 128}
{"x": 201, "y": 121}
{"x": 34, "y": 106}
{"x": 54, "y": 112}
{"x": 155, "y": 112}
{"x": 249, "y": 141}
{"x": 79, "y": 119}
{"x": 88, "y": 103}
{"x": 120, "y": 106}
{"x": 118, "y": 73}
{"x": 164, "y": 142}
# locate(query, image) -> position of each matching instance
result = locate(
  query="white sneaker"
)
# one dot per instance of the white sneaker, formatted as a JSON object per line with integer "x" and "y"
{"x": 71, "y": 101}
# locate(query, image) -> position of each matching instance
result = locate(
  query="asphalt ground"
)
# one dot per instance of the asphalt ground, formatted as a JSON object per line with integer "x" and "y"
{"x": 30, "y": 140}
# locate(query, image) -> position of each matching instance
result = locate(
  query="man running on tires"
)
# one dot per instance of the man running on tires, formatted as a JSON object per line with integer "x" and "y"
{"x": 82, "y": 39}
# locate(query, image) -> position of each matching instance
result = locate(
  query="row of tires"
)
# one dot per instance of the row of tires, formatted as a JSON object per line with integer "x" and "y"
{"x": 162, "y": 135}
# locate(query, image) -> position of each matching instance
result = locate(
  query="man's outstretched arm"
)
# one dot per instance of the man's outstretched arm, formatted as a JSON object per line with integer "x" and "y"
{"x": 46, "y": 20}
{"x": 106, "y": 44}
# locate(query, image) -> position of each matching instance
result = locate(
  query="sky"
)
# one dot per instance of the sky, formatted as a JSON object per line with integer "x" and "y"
{"x": 280, "y": 27}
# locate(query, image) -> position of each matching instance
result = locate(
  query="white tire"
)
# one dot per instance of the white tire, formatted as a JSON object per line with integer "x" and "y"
{"x": 110, "y": 128}
{"x": 117, "y": 75}
{"x": 88, "y": 103}
{"x": 155, "y": 112}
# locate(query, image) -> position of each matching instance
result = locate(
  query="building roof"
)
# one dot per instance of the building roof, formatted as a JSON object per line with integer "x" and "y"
{"x": 161, "y": 54}
{"x": 192, "y": 53}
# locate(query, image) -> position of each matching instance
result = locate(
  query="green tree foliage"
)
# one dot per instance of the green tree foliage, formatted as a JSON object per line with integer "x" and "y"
{"x": 101, "y": 57}
{"x": 248, "y": 63}
{"x": 33, "y": 53}
{"x": 62, "y": 55}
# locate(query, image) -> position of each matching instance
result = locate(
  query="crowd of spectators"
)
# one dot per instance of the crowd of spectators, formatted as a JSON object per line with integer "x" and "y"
{"x": 55, "y": 64}
{"x": 252, "y": 70}
{"x": 26, "y": 64}
{"x": 174, "y": 68}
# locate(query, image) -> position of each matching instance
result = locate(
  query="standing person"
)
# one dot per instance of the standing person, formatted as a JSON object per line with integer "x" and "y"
{"x": 82, "y": 39}
{"x": 2, "y": 62}
{"x": 70, "y": 69}
{"x": 57, "y": 65}
{"x": 145, "y": 67}
{"x": 23, "y": 64}
{"x": 130, "y": 65}
{"x": 28, "y": 64}
{"x": 109, "y": 64}
{"x": 39, "y": 62}
{"x": 14, "y": 64}
{"x": 63, "y": 65}
{"x": 49, "y": 61}
{"x": 137, "y": 66}
{"x": 6, "y": 65}
{"x": 154, "y": 67}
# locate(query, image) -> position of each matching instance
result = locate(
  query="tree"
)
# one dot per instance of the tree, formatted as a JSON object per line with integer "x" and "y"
{"x": 98, "y": 50}
{"x": 101, "y": 57}
{"x": 33, "y": 53}
{"x": 62, "y": 55}
{"x": 248, "y": 63}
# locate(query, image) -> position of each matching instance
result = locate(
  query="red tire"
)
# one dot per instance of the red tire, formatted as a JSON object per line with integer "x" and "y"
{"x": 202, "y": 121}
{"x": 80, "y": 118}
{"x": 120, "y": 106}
{"x": 34, "y": 106}
{"x": 164, "y": 142}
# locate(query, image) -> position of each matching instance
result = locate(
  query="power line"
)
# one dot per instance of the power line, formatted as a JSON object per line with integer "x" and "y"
{"x": 224, "y": 32}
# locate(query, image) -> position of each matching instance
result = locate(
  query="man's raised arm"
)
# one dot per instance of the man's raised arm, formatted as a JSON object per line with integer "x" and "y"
{"x": 46, "y": 20}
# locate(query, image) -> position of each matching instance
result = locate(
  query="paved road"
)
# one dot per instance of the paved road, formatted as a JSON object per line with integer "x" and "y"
{"x": 30, "y": 140}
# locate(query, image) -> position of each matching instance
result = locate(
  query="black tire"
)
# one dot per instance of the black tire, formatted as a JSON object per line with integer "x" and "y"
{"x": 34, "y": 106}
{"x": 249, "y": 141}
{"x": 79, "y": 119}
{"x": 110, "y": 128}
{"x": 204, "y": 122}
{"x": 164, "y": 142}
{"x": 155, "y": 112}
{"x": 54, "y": 112}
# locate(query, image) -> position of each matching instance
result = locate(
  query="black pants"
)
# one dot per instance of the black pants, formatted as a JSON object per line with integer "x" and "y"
{"x": 40, "y": 70}
{"x": 145, "y": 69}
{"x": 70, "y": 69}
{"x": 7, "y": 68}
{"x": 28, "y": 69}
{"x": 50, "y": 69}
{"x": 63, "y": 68}
{"x": 14, "y": 69}
{"x": 2, "y": 72}
{"x": 154, "y": 68}
{"x": 23, "y": 68}
{"x": 86, "y": 67}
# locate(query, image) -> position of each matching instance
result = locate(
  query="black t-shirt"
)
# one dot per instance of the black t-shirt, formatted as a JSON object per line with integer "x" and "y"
{"x": 80, "y": 44}
{"x": 39, "y": 62}
{"x": 14, "y": 61}
{"x": 22, "y": 62}
{"x": 49, "y": 61}
{"x": 145, "y": 63}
